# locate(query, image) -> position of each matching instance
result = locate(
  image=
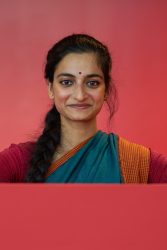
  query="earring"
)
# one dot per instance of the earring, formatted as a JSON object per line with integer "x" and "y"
{"x": 51, "y": 96}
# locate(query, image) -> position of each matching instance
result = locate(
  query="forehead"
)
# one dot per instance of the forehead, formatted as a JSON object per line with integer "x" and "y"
{"x": 79, "y": 62}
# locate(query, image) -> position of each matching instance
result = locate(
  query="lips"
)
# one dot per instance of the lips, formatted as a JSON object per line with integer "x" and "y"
{"x": 80, "y": 106}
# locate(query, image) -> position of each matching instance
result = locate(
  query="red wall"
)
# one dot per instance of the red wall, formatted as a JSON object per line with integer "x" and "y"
{"x": 135, "y": 32}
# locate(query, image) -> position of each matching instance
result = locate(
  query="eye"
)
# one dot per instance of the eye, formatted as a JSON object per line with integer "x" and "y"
{"x": 66, "y": 83}
{"x": 93, "y": 84}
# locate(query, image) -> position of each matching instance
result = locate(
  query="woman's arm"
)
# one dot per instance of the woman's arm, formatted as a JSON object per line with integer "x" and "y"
{"x": 158, "y": 168}
{"x": 14, "y": 162}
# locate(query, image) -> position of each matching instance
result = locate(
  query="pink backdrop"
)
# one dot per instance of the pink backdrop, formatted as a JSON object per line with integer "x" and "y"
{"x": 135, "y": 32}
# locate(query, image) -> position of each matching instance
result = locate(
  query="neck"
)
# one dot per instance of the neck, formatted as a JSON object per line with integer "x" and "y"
{"x": 73, "y": 133}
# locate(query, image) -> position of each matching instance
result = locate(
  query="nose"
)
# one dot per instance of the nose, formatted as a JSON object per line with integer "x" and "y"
{"x": 80, "y": 93}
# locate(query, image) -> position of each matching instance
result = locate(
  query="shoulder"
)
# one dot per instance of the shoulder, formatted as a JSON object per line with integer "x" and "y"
{"x": 14, "y": 161}
{"x": 134, "y": 161}
{"x": 18, "y": 150}
{"x": 131, "y": 149}
{"x": 149, "y": 164}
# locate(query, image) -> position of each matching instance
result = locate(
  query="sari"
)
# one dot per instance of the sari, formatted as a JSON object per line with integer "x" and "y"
{"x": 96, "y": 161}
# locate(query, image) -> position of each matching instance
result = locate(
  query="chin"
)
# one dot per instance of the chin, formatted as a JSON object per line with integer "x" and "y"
{"x": 82, "y": 118}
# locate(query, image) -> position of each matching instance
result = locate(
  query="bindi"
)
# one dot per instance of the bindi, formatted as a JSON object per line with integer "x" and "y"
{"x": 80, "y": 73}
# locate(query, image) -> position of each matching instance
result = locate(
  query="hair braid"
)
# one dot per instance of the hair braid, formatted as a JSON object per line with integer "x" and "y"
{"x": 45, "y": 147}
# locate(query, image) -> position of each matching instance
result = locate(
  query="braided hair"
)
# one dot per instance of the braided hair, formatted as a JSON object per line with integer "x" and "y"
{"x": 46, "y": 144}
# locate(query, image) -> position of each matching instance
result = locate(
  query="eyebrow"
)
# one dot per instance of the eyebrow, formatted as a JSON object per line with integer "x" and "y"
{"x": 87, "y": 76}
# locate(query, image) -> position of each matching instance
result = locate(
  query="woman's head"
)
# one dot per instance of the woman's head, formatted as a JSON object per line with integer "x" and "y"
{"x": 78, "y": 88}
{"x": 82, "y": 43}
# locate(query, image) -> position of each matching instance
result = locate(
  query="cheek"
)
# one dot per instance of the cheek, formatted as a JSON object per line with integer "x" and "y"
{"x": 60, "y": 98}
{"x": 99, "y": 96}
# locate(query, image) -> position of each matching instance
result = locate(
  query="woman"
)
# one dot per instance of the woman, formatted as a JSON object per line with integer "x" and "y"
{"x": 71, "y": 149}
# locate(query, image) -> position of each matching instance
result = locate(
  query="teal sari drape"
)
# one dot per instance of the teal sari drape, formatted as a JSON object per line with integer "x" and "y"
{"x": 96, "y": 162}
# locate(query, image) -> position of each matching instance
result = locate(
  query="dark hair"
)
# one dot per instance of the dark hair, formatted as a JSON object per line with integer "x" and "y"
{"x": 50, "y": 138}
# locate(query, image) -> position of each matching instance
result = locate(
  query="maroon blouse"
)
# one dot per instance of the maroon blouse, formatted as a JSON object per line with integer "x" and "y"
{"x": 158, "y": 168}
{"x": 14, "y": 162}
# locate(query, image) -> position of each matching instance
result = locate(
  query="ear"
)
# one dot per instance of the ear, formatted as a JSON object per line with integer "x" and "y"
{"x": 50, "y": 90}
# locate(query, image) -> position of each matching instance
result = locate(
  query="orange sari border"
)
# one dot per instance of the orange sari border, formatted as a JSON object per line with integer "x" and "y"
{"x": 134, "y": 161}
{"x": 65, "y": 157}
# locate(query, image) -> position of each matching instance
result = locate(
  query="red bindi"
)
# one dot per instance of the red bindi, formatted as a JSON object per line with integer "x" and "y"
{"x": 80, "y": 73}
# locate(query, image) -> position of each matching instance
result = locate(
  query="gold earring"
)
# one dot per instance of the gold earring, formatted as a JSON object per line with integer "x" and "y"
{"x": 51, "y": 96}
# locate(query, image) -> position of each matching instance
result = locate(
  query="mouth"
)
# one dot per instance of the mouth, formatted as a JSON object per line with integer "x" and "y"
{"x": 79, "y": 106}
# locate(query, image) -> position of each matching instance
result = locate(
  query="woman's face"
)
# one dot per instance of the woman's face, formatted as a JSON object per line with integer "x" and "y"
{"x": 78, "y": 88}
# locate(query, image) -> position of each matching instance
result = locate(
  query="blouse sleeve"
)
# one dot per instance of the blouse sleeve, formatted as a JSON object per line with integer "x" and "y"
{"x": 158, "y": 168}
{"x": 14, "y": 162}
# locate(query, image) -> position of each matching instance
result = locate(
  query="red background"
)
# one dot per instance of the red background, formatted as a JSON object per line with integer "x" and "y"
{"x": 135, "y": 32}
